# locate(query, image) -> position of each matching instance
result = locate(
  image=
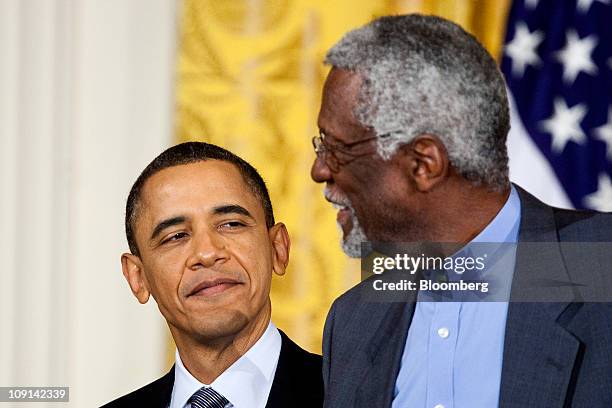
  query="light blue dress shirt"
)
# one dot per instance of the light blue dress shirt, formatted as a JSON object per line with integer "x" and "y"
{"x": 454, "y": 350}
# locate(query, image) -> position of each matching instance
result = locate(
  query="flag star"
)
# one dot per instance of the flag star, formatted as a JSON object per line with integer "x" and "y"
{"x": 576, "y": 56}
{"x": 584, "y": 5}
{"x": 564, "y": 125}
{"x": 604, "y": 133}
{"x": 531, "y": 4}
{"x": 522, "y": 48}
{"x": 602, "y": 198}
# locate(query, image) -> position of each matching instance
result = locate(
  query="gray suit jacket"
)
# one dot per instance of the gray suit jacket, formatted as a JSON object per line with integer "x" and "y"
{"x": 556, "y": 354}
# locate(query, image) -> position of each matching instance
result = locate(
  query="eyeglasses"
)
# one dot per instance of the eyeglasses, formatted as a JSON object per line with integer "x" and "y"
{"x": 329, "y": 153}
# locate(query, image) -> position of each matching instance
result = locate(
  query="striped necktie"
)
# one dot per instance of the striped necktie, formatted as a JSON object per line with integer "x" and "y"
{"x": 206, "y": 397}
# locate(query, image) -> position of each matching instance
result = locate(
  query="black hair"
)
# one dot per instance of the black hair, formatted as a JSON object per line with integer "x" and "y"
{"x": 186, "y": 153}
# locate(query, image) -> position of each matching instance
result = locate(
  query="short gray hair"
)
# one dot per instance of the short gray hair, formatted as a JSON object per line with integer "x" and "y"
{"x": 423, "y": 74}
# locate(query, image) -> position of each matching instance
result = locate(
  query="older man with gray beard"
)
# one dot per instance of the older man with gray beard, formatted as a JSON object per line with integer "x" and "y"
{"x": 413, "y": 126}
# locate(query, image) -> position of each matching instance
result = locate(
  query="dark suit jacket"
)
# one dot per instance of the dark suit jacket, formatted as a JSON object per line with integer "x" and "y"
{"x": 297, "y": 383}
{"x": 556, "y": 354}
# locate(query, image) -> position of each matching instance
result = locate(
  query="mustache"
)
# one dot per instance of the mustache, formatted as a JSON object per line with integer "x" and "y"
{"x": 336, "y": 198}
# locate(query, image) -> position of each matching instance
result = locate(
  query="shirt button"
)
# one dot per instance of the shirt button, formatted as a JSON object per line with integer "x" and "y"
{"x": 442, "y": 332}
{"x": 439, "y": 406}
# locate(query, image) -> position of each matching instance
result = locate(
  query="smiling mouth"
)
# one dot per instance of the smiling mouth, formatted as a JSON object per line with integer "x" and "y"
{"x": 213, "y": 287}
{"x": 344, "y": 218}
{"x": 344, "y": 213}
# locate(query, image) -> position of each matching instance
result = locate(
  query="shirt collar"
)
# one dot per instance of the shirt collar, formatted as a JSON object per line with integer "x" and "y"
{"x": 505, "y": 226}
{"x": 245, "y": 383}
{"x": 496, "y": 242}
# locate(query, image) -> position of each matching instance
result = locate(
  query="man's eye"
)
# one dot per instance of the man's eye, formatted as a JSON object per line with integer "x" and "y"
{"x": 232, "y": 225}
{"x": 175, "y": 237}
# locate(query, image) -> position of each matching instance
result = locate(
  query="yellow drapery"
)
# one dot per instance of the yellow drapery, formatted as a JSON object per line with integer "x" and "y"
{"x": 249, "y": 79}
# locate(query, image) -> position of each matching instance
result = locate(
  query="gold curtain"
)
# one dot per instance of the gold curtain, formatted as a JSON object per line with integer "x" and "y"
{"x": 249, "y": 79}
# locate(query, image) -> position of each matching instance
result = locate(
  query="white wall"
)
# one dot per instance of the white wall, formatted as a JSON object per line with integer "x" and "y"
{"x": 86, "y": 101}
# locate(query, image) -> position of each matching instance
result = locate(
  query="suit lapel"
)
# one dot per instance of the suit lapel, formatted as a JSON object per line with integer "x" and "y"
{"x": 539, "y": 352}
{"x": 158, "y": 393}
{"x": 384, "y": 354}
{"x": 539, "y": 356}
{"x": 165, "y": 389}
{"x": 282, "y": 385}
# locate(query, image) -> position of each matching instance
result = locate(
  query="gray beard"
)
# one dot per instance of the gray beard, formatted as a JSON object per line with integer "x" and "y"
{"x": 351, "y": 245}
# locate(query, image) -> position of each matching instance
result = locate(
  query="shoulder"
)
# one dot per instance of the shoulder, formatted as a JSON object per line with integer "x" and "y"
{"x": 350, "y": 299}
{"x": 293, "y": 357}
{"x": 592, "y": 226}
{"x": 156, "y": 393}
{"x": 584, "y": 238}
{"x": 298, "y": 381}
{"x": 570, "y": 225}
{"x": 358, "y": 307}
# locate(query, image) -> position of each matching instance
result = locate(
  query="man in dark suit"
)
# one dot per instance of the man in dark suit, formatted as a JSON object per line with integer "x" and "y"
{"x": 413, "y": 125}
{"x": 204, "y": 244}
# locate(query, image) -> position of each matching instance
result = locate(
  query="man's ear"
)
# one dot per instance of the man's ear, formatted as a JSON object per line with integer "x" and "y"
{"x": 425, "y": 159}
{"x": 134, "y": 274}
{"x": 280, "y": 247}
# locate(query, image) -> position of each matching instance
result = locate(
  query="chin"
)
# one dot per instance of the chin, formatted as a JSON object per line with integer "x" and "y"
{"x": 219, "y": 325}
{"x": 351, "y": 242}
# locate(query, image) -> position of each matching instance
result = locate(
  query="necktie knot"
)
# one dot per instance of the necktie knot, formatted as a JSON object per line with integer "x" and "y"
{"x": 206, "y": 397}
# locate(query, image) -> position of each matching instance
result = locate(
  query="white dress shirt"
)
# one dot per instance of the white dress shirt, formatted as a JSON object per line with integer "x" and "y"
{"x": 245, "y": 384}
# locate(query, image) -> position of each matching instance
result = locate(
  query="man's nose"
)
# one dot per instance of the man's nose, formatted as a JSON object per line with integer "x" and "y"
{"x": 320, "y": 171}
{"x": 208, "y": 249}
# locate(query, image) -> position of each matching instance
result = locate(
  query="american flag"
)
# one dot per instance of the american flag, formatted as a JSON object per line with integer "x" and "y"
{"x": 558, "y": 65}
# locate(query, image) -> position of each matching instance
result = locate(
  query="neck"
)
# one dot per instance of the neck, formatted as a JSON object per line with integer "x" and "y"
{"x": 464, "y": 212}
{"x": 207, "y": 358}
